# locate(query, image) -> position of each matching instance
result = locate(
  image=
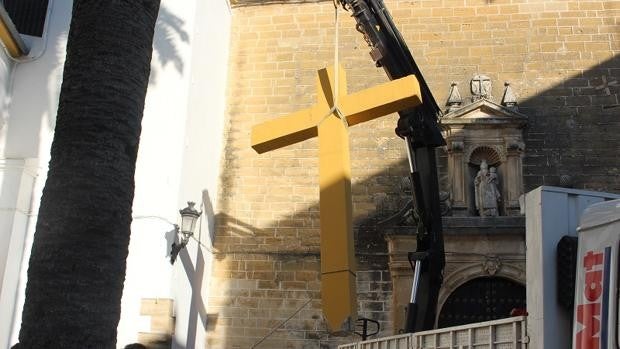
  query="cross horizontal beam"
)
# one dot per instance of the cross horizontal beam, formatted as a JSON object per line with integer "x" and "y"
{"x": 358, "y": 107}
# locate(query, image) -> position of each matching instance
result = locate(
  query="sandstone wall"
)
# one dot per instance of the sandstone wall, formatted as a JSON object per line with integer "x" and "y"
{"x": 559, "y": 56}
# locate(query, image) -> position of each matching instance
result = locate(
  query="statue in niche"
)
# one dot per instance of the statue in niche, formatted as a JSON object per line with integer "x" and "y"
{"x": 487, "y": 192}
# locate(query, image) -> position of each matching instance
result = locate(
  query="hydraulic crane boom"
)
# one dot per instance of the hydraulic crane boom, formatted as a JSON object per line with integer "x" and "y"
{"x": 418, "y": 126}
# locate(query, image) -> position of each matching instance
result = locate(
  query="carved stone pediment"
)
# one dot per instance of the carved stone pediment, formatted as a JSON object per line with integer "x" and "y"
{"x": 490, "y": 133}
{"x": 485, "y": 113}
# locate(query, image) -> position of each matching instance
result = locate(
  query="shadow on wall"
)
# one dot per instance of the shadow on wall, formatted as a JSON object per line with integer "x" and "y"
{"x": 172, "y": 237}
{"x": 209, "y": 217}
{"x": 195, "y": 277}
{"x": 195, "y": 274}
{"x": 36, "y": 87}
{"x": 169, "y": 31}
{"x": 573, "y": 128}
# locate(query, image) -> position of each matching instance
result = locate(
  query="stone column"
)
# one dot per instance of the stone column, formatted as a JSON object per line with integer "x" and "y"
{"x": 457, "y": 173}
{"x": 402, "y": 276}
{"x": 514, "y": 179}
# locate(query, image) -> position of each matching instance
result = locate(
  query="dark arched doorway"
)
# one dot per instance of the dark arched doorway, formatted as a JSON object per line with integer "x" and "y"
{"x": 481, "y": 299}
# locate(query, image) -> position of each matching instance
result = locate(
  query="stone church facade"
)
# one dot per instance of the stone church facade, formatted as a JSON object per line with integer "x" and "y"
{"x": 529, "y": 87}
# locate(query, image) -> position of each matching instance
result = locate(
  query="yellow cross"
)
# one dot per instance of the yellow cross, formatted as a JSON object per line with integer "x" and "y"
{"x": 339, "y": 298}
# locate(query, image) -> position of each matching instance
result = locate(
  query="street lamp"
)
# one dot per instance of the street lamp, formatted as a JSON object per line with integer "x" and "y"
{"x": 189, "y": 216}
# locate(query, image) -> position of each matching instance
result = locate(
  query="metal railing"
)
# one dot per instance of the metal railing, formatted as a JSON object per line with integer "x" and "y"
{"x": 510, "y": 333}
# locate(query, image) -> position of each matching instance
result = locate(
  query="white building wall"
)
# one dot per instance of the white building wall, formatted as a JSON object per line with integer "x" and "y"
{"x": 9, "y": 215}
{"x": 17, "y": 178}
{"x": 180, "y": 147}
{"x": 157, "y": 178}
{"x": 203, "y": 144}
{"x": 178, "y": 161}
{"x": 29, "y": 102}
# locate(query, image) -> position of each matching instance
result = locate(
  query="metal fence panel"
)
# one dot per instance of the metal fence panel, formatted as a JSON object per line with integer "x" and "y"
{"x": 499, "y": 334}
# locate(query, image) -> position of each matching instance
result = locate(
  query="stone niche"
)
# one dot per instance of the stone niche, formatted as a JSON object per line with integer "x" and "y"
{"x": 489, "y": 132}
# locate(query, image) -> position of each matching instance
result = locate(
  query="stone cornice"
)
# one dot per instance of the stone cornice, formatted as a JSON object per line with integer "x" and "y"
{"x": 501, "y": 225}
{"x": 494, "y": 114}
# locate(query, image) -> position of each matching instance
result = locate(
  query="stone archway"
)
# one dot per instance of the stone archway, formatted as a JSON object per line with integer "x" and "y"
{"x": 500, "y": 253}
{"x": 491, "y": 267}
{"x": 481, "y": 299}
{"x": 489, "y": 290}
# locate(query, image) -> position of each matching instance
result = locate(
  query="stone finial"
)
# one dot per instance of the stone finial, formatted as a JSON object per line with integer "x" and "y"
{"x": 480, "y": 87}
{"x": 509, "y": 100}
{"x": 454, "y": 99}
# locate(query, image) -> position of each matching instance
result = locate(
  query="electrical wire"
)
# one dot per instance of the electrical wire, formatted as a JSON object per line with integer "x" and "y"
{"x": 281, "y": 324}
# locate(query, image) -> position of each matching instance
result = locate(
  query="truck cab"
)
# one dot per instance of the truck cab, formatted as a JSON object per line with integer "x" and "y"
{"x": 596, "y": 313}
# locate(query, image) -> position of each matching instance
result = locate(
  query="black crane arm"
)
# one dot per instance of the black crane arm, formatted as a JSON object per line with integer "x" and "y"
{"x": 389, "y": 50}
{"x": 418, "y": 126}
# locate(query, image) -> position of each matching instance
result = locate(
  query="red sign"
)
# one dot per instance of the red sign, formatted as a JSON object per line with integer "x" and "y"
{"x": 589, "y": 312}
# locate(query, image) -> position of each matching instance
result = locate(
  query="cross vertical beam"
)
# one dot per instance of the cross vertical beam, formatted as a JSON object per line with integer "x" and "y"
{"x": 338, "y": 288}
{"x": 336, "y": 211}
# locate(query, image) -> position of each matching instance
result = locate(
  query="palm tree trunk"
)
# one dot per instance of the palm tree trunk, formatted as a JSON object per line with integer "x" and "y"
{"x": 77, "y": 267}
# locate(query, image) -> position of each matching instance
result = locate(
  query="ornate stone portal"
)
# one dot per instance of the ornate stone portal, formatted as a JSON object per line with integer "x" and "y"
{"x": 491, "y": 254}
{"x": 484, "y": 231}
{"x": 489, "y": 133}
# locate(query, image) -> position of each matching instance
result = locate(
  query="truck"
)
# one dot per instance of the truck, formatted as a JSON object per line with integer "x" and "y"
{"x": 590, "y": 222}
{"x": 596, "y": 312}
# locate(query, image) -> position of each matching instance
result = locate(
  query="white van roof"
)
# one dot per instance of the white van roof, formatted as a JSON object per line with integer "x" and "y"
{"x": 600, "y": 214}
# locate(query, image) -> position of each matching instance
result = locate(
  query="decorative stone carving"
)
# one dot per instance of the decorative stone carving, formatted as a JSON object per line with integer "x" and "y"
{"x": 480, "y": 87}
{"x": 457, "y": 146}
{"x": 605, "y": 86}
{"x": 484, "y": 130}
{"x": 491, "y": 265}
{"x": 509, "y": 100}
{"x": 516, "y": 146}
{"x": 407, "y": 216}
{"x": 401, "y": 213}
{"x": 493, "y": 155}
{"x": 445, "y": 203}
